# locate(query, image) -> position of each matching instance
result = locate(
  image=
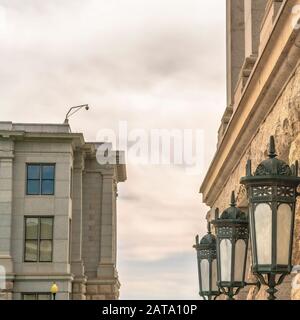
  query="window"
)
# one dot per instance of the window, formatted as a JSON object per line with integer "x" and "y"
{"x": 36, "y": 296}
{"x": 40, "y": 179}
{"x": 38, "y": 239}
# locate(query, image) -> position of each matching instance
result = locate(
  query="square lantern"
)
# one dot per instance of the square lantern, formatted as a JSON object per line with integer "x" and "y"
{"x": 272, "y": 194}
{"x": 232, "y": 247}
{"x": 207, "y": 265}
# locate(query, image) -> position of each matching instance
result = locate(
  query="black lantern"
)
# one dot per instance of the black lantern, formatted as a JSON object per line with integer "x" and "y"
{"x": 207, "y": 265}
{"x": 232, "y": 246}
{"x": 272, "y": 193}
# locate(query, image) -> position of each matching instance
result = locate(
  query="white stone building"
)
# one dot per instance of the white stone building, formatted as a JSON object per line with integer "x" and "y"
{"x": 57, "y": 214}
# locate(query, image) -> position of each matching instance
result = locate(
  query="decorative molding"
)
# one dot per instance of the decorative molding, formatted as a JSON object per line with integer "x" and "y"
{"x": 270, "y": 76}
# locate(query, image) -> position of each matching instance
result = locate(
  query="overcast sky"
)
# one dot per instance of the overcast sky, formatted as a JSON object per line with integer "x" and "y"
{"x": 153, "y": 63}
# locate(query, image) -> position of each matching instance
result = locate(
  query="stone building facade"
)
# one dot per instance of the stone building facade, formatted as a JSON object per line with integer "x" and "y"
{"x": 263, "y": 81}
{"x": 57, "y": 215}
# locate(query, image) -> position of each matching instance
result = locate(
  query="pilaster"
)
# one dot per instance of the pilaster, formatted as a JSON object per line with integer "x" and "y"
{"x": 77, "y": 266}
{"x": 107, "y": 272}
{"x": 6, "y": 207}
{"x": 235, "y": 44}
{"x": 6, "y": 197}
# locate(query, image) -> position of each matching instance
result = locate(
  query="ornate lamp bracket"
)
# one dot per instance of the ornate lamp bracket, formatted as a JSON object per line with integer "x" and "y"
{"x": 271, "y": 283}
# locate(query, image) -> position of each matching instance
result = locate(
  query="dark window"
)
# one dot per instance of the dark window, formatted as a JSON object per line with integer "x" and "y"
{"x": 36, "y": 296}
{"x": 38, "y": 239}
{"x": 40, "y": 179}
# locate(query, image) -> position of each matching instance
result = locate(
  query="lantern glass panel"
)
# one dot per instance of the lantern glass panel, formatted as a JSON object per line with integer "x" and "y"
{"x": 214, "y": 276}
{"x": 205, "y": 275}
{"x": 225, "y": 253}
{"x": 252, "y": 236}
{"x": 240, "y": 252}
{"x": 263, "y": 233}
{"x": 284, "y": 221}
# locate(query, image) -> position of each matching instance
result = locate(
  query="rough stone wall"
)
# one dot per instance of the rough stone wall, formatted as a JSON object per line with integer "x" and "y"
{"x": 284, "y": 123}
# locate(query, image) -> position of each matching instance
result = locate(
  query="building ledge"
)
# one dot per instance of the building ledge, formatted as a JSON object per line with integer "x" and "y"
{"x": 270, "y": 74}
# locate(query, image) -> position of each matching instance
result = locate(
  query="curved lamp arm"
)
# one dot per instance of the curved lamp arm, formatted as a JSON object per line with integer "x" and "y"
{"x": 74, "y": 110}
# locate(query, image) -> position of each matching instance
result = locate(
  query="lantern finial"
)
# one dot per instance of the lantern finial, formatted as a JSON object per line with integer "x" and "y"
{"x": 249, "y": 168}
{"x": 272, "y": 148}
{"x": 233, "y": 201}
{"x": 209, "y": 227}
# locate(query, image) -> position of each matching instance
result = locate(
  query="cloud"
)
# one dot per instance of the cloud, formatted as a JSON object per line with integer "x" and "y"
{"x": 154, "y": 63}
{"x": 160, "y": 280}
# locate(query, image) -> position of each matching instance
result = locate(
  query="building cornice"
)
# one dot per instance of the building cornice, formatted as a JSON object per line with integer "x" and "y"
{"x": 270, "y": 74}
{"x": 77, "y": 141}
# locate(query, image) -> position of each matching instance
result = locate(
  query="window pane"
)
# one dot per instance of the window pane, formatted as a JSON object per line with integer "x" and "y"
{"x": 44, "y": 296}
{"x": 32, "y": 228}
{"x": 29, "y": 297}
{"x": 284, "y": 224}
{"x": 225, "y": 251}
{"x": 48, "y": 172}
{"x": 47, "y": 187}
{"x": 263, "y": 228}
{"x": 46, "y": 228}
{"x": 33, "y": 171}
{"x": 31, "y": 250}
{"x": 45, "y": 251}
{"x": 33, "y": 187}
{"x": 214, "y": 277}
{"x": 205, "y": 276}
{"x": 240, "y": 255}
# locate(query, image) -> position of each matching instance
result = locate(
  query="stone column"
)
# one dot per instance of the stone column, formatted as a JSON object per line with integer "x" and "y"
{"x": 77, "y": 267}
{"x": 235, "y": 45}
{"x": 6, "y": 202}
{"x": 107, "y": 264}
{"x": 272, "y": 8}
{"x": 254, "y": 14}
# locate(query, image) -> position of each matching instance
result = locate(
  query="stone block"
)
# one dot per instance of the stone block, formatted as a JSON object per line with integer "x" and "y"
{"x": 92, "y": 289}
{"x": 78, "y": 296}
{"x": 76, "y": 288}
{"x": 107, "y": 289}
{"x": 98, "y": 297}
{"x": 61, "y": 251}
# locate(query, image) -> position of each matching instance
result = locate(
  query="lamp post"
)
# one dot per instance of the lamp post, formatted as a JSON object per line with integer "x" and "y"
{"x": 207, "y": 265}
{"x": 272, "y": 194}
{"x": 232, "y": 246}
{"x": 74, "y": 110}
{"x": 54, "y": 290}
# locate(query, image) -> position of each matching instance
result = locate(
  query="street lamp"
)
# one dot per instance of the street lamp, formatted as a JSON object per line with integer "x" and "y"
{"x": 54, "y": 290}
{"x": 272, "y": 194}
{"x": 232, "y": 246}
{"x": 74, "y": 110}
{"x": 207, "y": 265}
